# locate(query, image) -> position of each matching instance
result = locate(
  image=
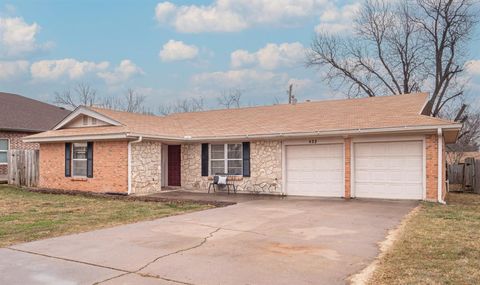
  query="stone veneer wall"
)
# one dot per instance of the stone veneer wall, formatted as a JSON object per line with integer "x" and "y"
{"x": 265, "y": 168}
{"x": 146, "y": 167}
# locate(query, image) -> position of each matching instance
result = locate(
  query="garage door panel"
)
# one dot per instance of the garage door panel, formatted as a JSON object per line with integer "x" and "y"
{"x": 313, "y": 164}
{"x": 315, "y": 170}
{"x": 315, "y": 176}
{"x": 389, "y": 170}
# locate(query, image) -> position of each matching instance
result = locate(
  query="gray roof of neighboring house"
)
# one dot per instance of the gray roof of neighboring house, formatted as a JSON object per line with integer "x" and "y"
{"x": 18, "y": 113}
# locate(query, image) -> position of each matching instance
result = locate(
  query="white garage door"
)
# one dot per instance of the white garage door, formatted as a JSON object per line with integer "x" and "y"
{"x": 390, "y": 170}
{"x": 315, "y": 170}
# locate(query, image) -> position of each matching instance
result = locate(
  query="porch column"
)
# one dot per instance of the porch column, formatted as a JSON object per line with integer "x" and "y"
{"x": 347, "y": 169}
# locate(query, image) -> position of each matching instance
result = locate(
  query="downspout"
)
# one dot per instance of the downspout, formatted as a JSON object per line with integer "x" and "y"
{"x": 440, "y": 166}
{"x": 130, "y": 163}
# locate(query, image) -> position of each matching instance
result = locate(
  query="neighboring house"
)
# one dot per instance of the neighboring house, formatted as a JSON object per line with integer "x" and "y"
{"x": 20, "y": 117}
{"x": 378, "y": 147}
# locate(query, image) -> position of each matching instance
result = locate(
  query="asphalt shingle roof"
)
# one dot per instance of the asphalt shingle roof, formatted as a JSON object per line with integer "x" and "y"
{"x": 316, "y": 116}
{"x": 18, "y": 113}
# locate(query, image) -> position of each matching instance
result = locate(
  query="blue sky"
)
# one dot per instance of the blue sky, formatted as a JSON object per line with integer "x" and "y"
{"x": 171, "y": 50}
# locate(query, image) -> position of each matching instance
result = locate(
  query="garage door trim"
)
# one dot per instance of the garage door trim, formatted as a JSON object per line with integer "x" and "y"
{"x": 389, "y": 139}
{"x": 312, "y": 141}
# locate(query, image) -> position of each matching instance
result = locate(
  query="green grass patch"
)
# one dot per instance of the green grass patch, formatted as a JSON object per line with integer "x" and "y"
{"x": 27, "y": 216}
{"x": 439, "y": 245}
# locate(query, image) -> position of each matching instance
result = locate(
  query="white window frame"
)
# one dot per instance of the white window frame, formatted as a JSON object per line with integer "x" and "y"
{"x": 225, "y": 157}
{"x": 79, "y": 159}
{"x": 5, "y": 151}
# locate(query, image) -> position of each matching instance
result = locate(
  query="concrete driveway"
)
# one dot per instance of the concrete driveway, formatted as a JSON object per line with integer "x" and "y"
{"x": 271, "y": 241}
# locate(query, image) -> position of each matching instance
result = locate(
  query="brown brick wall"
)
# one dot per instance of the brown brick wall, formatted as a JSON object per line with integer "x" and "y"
{"x": 110, "y": 168}
{"x": 432, "y": 167}
{"x": 15, "y": 140}
{"x": 444, "y": 158}
{"x": 348, "y": 175}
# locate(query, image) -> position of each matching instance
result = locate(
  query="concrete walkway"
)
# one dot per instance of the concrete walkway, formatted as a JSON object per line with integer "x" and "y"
{"x": 271, "y": 241}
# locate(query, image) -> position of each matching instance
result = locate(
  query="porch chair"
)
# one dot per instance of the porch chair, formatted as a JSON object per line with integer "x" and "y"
{"x": 222, "y": 179}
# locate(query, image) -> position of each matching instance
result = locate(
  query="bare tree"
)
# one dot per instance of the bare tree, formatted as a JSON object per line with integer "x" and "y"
{"x": 230, "y": 98}
{"x": 400, "y": 47}
{"x": 82, "y": 95}
{"x": 468, "y": 139}
{"x": 182, "y": 106}
{"x": 133, "y": 102}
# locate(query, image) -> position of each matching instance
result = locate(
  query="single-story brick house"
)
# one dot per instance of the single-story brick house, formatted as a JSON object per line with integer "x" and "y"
{"x": 379, "y": 147}
{"x": 21, "y": 117}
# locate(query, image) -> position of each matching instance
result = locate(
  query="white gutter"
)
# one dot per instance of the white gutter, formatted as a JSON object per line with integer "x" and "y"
{"x": 300, "y": 134}
{"x": 130, "y": 163}
{"x": 248, "y": 136}
{"x": 440, "y": 165}
{"x": 76, "y": 138}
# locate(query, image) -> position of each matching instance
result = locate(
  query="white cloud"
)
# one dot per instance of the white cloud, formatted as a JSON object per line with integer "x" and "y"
{"x": 177, "y": 50}
{"x": 234, "y": 15}
{"x": 17, "y": 38}
{"x": 123, "y": 72}
{"x": 336, "y": 20}
{"x": 270, "y": 57}
{"x": 68, "y": 67}
{"x": 473, "y": 67}
{"x": 12, "y": 69}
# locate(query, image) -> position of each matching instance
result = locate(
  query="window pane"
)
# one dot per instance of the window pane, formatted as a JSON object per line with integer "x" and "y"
{"x": 79, "y": 151}
{"x": 235, "y": 167}
{"x": 234, "y": 171}
{"x": 217, "y": 167}
{"x": 80, "y": 167}
{"x": 234, "y": 151}
{"x": 216, "y": 171}
{"x": 3, "y": 144}
{"x": 3, "y": 157}
{"x": 218, "y": 151}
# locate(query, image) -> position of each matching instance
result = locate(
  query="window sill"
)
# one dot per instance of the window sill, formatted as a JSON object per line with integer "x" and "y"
{"x": 79, "y": 179}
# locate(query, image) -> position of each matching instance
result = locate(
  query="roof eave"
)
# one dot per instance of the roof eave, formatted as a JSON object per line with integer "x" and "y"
{"x": 349, "y": 132}
{"x": 82, "y": 110}
{"x": 291, "y": 135}
{"x": 72, "y": 138}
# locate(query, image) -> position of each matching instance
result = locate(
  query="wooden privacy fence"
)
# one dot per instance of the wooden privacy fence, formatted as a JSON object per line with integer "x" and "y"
{"x": 23, "y": 167}
{"x": 466, "y": 174}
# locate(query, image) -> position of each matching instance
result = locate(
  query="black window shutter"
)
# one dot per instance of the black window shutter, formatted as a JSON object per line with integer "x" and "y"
{"x": 246, "y": 159}
{"x": 204, "y": 159}
{"x": 68, "y": 159}
{"x": 90, "y": 159}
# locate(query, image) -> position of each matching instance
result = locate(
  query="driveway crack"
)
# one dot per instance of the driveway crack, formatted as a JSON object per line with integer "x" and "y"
{"x": 223, "y": 228}
{"x": 205, "y": 239}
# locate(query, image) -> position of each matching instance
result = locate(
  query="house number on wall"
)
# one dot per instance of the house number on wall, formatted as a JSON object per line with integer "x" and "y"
{"x": 312, "y": 141}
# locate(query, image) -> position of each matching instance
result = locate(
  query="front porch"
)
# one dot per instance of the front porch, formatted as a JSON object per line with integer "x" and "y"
{"x": 222, "y": 196}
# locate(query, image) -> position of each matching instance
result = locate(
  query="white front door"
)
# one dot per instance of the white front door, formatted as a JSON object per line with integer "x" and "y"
{"x": 389, "y": 170}
{"x": 315, "y": 170}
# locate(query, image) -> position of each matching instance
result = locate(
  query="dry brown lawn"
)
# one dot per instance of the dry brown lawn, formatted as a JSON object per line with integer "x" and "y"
{"x": 439, "y": 245}
{"x": 27, "y": 216}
